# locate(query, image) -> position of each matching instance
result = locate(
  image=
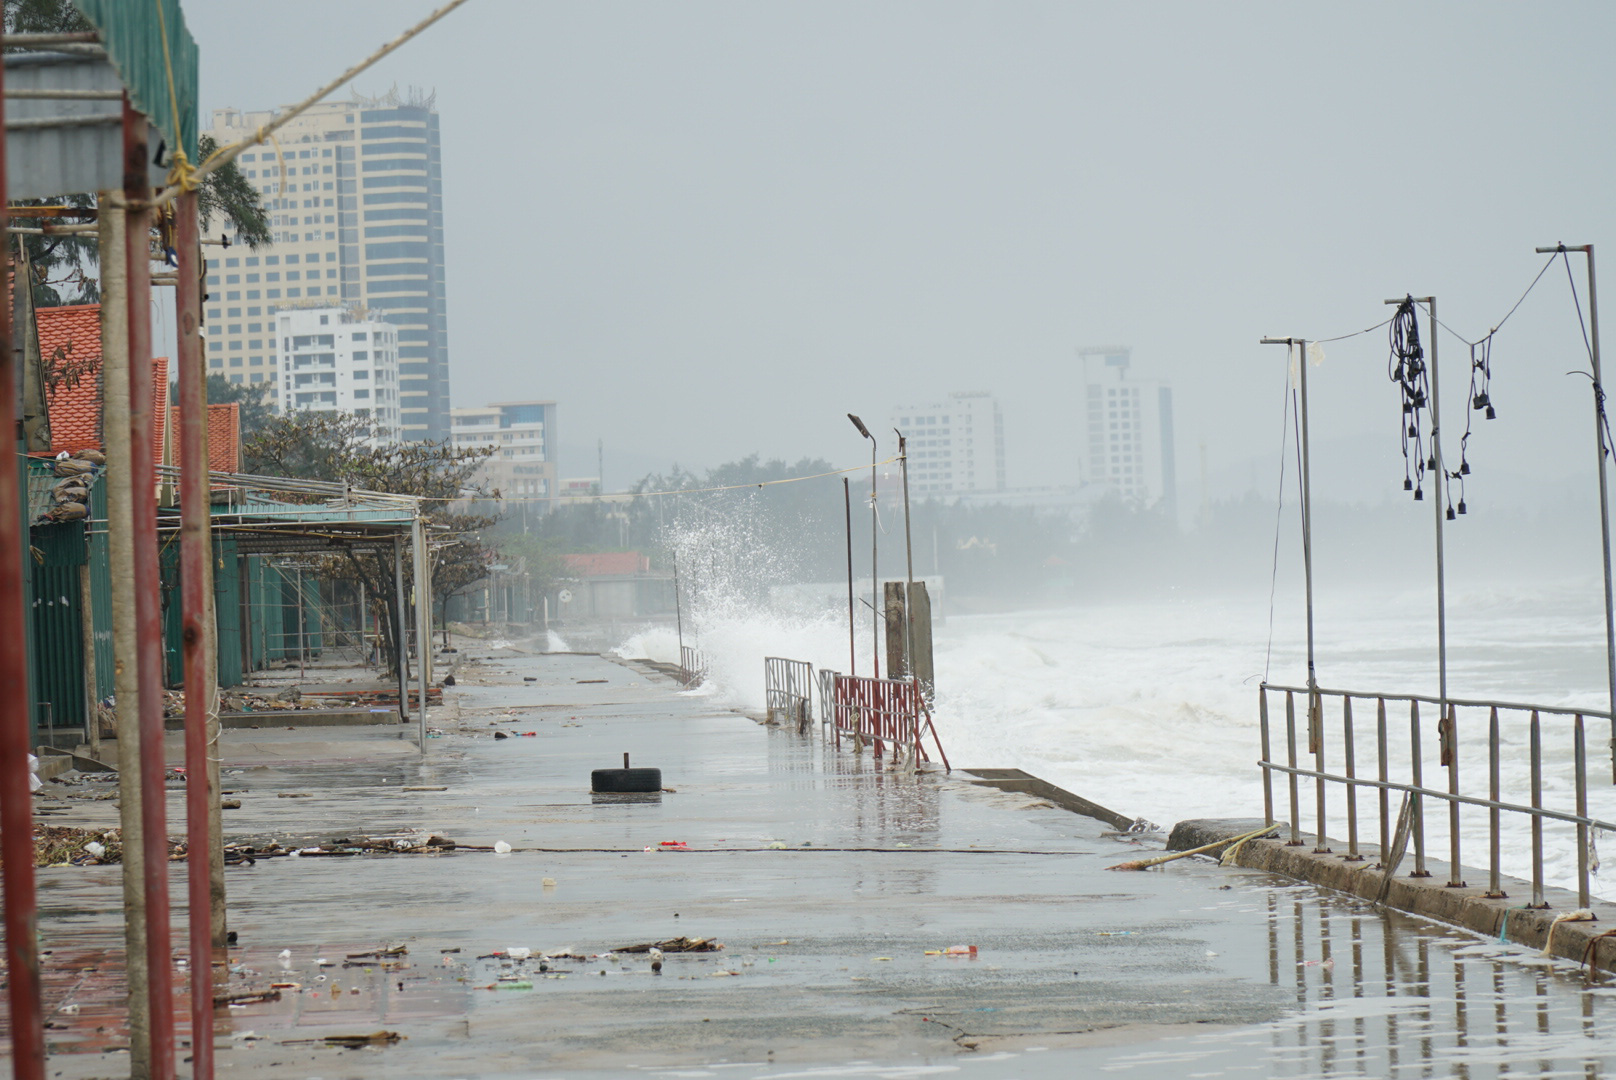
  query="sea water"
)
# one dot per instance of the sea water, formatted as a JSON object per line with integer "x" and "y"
{"x": 1150, "y": 706}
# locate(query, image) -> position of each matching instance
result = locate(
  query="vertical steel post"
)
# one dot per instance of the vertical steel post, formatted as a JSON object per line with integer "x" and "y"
{"x": 148, "y": 591}
{"x": 1383, "y": 774}
{"x": 400, "y": 633}
{"x": 423, "y": 621}
{"x": 1604, "y": 491}
{"x": 92, "y": 714}
{"x": 1444, "y": 711}
{"x": 678, "y": 609}
{"x": 875, "y": 572}
{"x": 1495, "y": 889}
{"x": 1267, "y": 773}
{"x": 908, "y": 568}
{"x": 1352, "y": 774}
{"x": 126, "y": 672}
{"x": 852, "y": 611}
{"x": 1537, "y": 819}
{"x": 1417, "y": 778}
{"x": 1580, "y": 758}
{"x": 23, "y": 985}
{"x": 1290, "y": 756}
{"x": 1307, "y": 542}
{"x": 201, "y": 663}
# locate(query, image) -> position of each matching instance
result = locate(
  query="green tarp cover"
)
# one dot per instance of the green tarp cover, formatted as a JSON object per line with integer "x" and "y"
{"x": 132, "y": 32}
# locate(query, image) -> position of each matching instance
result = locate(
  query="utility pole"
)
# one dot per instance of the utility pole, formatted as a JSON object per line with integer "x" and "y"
{"x": 1604, "y": 493}
{"x": 1315, "y": 725}
{"x": 852, "y": 646}
{"x": 875, "y": 574}
{"x": 1441, "y": 510}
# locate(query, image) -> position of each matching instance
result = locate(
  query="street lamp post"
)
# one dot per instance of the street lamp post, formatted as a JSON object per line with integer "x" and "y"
{"x": 875, "y": 531}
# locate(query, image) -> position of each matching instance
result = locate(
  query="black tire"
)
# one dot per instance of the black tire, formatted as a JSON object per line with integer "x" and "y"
{"x": 617, "y": 780}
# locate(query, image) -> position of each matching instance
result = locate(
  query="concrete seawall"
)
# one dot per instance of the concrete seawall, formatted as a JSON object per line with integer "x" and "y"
{"x": 1507, "y": 918}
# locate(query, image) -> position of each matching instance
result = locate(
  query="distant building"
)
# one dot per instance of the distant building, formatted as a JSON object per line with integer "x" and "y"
{"x": 354, "y": 194}
{"x": 956, "y": 446}
{"x": 524, "y": 433}
{"x": 332, "y": 361}
{"x": 1129, "y": 424}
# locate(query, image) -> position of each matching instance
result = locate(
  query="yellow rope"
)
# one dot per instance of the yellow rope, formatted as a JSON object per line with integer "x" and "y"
{"x": 183, "y": 174}
{"x": 652, "y": 494}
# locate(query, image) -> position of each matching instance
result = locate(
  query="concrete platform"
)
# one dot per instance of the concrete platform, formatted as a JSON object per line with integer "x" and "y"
{"x": 831, "y": 883}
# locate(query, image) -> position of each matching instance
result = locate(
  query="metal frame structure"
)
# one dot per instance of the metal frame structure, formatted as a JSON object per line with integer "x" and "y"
{"x": 788, "y": 691}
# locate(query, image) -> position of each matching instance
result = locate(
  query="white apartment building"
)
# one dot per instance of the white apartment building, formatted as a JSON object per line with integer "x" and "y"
{"x": 1129, "y": 424}
{"x": 524, "y": 434}
{"x": 330, "y": 360}
{"x": 956, "y": 446}
{"x": 354, "y": 194}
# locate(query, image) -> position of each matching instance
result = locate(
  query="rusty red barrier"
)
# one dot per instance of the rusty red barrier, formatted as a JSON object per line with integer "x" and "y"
{"x": 882, "y": 712}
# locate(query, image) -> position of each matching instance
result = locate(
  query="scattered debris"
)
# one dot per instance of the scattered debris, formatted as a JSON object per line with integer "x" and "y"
{"x": 673, "y": 945}
{"x": 349, "y": 1042}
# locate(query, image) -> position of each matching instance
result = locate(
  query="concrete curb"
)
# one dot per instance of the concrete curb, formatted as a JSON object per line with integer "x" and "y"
{"x": 1429, "y": 897}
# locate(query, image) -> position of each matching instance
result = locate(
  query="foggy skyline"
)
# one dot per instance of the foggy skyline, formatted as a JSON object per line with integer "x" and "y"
{"x": 713, "y": 229}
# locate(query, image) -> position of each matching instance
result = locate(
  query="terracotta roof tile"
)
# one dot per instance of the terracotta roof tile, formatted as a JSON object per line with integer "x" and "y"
{"x": 72, "y": 335}
{"x": 223, "y": 433}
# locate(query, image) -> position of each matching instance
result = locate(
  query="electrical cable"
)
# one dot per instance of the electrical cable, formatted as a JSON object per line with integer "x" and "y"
{"x": 1279, "y": 515}
{"x": 1599, "y": 391}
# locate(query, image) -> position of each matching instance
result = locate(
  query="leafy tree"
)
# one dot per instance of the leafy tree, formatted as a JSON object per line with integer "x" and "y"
{"x": 342, "y": 447}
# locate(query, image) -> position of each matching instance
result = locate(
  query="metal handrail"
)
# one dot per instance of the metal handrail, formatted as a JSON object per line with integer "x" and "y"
{"x": 1469, "y": 703}
{"x": 1449, "y": 748}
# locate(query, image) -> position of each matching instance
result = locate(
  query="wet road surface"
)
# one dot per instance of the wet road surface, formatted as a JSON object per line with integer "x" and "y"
{"x": 828, "y": 879}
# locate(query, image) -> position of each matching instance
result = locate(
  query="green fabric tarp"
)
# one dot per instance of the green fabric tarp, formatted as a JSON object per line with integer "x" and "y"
{"x": 132, "y": 33}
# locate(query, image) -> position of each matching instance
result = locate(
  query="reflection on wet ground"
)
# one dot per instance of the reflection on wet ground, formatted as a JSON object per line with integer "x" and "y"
{"x": 832, "y": 883}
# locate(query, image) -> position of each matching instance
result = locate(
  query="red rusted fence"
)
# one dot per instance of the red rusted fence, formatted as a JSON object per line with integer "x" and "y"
{"x": 883, "y": 713}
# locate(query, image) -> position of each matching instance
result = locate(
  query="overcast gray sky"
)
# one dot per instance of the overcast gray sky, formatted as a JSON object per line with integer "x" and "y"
{"x": 708, "y": 229}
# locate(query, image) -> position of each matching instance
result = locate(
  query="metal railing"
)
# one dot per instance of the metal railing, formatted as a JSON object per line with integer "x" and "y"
{"x": 827, "y": 694}
{"x": 1509, "y": 725}
{"x": 692, "y": 666}
{"x": 881, "y": 713}
{"x": 788, "y": 687}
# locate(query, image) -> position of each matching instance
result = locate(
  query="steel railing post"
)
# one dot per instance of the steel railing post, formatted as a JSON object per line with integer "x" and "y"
{"x": 1418, "y": 777}
{"x": 1537, "y": 804}
{"x": 1267, "y": 756}
{"x": 1352, "y": 775}
{"x": 1383, "y": 774}
{"x": 1495, "y": 889}
{"x": 1290, "y": 759}
{"x": 1451, "y": 746}
{"x": 1315, "y": 731}
{"x": 1580, "y": 757}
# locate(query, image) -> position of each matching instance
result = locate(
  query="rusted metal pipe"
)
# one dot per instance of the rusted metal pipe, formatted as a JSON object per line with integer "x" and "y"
{"x": 16, "y": 801}
{"x": 148, "y": 599}
{"x": 201, "y": 663}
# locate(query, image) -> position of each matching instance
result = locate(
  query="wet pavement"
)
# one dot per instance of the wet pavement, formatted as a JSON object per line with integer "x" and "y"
{"x": 832, "y": 884}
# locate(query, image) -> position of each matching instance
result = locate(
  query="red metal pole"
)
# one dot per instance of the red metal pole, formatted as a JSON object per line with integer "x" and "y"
{"x": 194, "y": 557}
{"x": 148, "y": 599}
{"x": 16, "y": 801}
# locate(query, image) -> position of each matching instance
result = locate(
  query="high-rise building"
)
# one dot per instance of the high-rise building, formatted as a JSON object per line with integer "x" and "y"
{"x": 330, "y": 360}
{"x": 524, "y": 433}
{"x": 1129, "y": 424}
{"x": 956, "y": 446}
{"x": 355, "y": 197}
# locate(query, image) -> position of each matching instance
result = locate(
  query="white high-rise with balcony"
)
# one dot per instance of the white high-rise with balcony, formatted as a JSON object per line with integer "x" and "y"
{"x": 522, "y": 435}
{"x": 331, "y": 360}
{"x": 1130, "y": 429}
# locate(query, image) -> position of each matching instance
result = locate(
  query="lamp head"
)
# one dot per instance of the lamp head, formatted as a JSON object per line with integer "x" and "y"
{"x": 862, "y": 430}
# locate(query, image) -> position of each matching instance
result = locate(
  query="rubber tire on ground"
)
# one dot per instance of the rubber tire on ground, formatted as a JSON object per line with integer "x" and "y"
{"x": 621, "y": 780}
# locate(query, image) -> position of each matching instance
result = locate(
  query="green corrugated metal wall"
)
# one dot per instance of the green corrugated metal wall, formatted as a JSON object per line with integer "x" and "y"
{"x": 58, "y": 662}
{"x": 227, "y": 603}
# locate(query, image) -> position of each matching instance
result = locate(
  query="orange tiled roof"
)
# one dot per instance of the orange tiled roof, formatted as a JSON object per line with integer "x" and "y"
{"x": 72, "y": 335}
{"x": 223, "y": 435}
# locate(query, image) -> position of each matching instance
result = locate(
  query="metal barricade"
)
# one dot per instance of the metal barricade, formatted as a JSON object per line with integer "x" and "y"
{"x": 788, "y": 687}
{"x": 882, "y": 713}
{"x": 827, "y": 694}
{"x": 692, "y": 666}
{"x": 1511, "y": 728}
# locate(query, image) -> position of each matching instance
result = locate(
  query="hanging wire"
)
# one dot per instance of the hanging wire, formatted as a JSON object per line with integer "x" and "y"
{"x": 1279, "y": 512}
